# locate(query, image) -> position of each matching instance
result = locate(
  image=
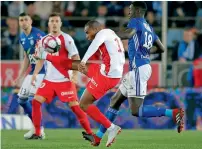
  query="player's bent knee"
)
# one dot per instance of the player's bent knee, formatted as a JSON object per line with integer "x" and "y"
{"x": 83, "y": 106}
{"x": 134, "y": 113}
{"x": 22, "y": 100}
{"x": 73, "y": 103}
{"x": 39, "y": 98}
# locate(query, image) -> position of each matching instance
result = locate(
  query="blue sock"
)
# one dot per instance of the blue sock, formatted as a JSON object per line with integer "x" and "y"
{"x": 169, "y": 113}
{"x": 26, "y": 105}
{"x": 151, "y": 111}
{"x": 111, "y": 115}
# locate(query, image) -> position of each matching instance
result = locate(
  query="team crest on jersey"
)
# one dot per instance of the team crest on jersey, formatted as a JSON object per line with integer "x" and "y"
{"x": 42, "y": 85}
{"x": 32, "y": 42}
{"x": 147, "y": 26}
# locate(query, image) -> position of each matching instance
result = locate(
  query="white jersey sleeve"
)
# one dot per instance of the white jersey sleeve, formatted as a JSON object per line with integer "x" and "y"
{"x": 70, "y": 45}
{"x": 94, "y": 46}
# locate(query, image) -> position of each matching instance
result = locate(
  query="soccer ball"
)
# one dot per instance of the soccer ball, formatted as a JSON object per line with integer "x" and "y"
{"x": 51, "y": 44}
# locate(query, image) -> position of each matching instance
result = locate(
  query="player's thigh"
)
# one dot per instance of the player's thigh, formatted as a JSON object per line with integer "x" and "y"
{"x": 46, "y": 90}
{"x": 138, "y": 81}
{"x": 86, "y": 99}
{"x": 145, "y": 72}
{"x": 117, "y": 99}
{"x": 125, "y": 84}
{"x": 66, "y": 91}
{"x": 25, "y": 88}
{"x": 99, "y": 85}
{"x": 39, "y": 80}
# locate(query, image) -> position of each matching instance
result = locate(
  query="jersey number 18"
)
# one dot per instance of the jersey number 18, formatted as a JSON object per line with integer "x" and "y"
{"x": 148, "y": 41}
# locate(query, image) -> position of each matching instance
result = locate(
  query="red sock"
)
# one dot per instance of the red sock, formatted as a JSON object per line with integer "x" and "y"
{"x": 96, "y": 115}
{"x": 82, "y": 117}
{"x": 59, "y": 60}
{"x": 36, "y": 116}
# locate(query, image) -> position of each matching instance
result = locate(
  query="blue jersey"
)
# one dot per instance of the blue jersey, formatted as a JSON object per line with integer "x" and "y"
{"x": 140, "y": 44}
{"x": 28, "y": 43}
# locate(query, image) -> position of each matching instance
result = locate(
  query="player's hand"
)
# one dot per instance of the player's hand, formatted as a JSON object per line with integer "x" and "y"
{"x": 16, "y": 81}
{"x": 33, "y": 81}
{"x": 82, "y": 67}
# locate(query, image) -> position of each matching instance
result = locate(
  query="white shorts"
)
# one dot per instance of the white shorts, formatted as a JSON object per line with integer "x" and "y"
{"x": 27, "y": 89}
{"x": 134, "y": 83}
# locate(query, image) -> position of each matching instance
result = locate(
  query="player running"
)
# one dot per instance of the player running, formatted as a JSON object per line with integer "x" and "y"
{"x": 28, "y": 38}
{"x": 103, "y": 76}
{"x": 134, "y": 84}
{"x": 57, "y": 81}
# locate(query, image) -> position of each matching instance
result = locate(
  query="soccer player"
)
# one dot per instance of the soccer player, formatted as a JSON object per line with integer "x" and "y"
{"x": 134, "y": 84}
{"x": 28, "y": 38}
{"x": 57, "y": 81}
{"x": 103, "y": 76}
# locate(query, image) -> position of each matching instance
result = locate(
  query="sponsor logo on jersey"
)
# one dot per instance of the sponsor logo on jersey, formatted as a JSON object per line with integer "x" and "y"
{"x": 32, "y": 59}
{"x": 67, "y": 93}
{"x": 32, "y": 42}
{"x": 146, "y": 56}
{"x": 30, "y": 38}
{"x": 94, "y": 83}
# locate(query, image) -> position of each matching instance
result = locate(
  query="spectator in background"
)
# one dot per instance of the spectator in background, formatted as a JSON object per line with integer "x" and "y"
{"x": 10, "y": 41}
{"x": 114, "y": 9}
{"x": 102, "y": 13}
{"x": 31, "y": 10}
{"x": 189, "y": 49}
{"x": 69, "y": 8}
{"x": 43, "y": 9}
{"x": 151, "y": 19}
{"x": 14, "y": 9}
{"x": 157, "y": 7}
{"x": 58, "y": 7}
{"x": 194, "y": 75}
{"x": 183, "y": 9}
{"x": 81, "y": 9}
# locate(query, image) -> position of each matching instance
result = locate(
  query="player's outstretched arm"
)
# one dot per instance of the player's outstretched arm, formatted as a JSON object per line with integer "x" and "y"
{"x": 158, "y": 47}
{"x": 126, "y": 33}
{"x": 74, "y": 77}
{"x": 67, "y": 63}
{"x": 23, "y": 69}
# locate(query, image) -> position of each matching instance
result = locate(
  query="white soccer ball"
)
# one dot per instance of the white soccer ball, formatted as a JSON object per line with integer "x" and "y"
{"x": 51, "y": 44}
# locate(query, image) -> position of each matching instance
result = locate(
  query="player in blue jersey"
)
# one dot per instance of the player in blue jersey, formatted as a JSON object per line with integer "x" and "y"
{"x": 28, "y": 39}
{"x": 141, "y": 39}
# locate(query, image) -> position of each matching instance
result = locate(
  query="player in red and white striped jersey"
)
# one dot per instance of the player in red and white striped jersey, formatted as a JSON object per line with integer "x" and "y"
{"x": 57, "y": 81}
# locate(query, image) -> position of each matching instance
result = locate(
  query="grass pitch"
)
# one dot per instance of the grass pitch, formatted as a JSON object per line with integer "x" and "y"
{"x": 128, "y": 139}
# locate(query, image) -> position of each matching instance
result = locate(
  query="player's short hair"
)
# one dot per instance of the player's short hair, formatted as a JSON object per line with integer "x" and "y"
{"x": 140, "y": 4}
{"x": 23, "y": 14}
{"x": 93, "y": 23}
{"x": 54, "y": 14}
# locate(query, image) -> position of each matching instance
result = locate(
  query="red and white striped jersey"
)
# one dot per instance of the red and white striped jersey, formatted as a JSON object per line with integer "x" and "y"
{"x": 56, "y": 73}
{"x": 112, "y": 52}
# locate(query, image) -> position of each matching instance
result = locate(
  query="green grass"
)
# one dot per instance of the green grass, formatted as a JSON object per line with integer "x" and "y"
{"x": 128, "y": 139}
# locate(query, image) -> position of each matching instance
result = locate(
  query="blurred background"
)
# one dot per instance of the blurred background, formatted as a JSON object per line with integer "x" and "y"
{"x": 176, "y": 80}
